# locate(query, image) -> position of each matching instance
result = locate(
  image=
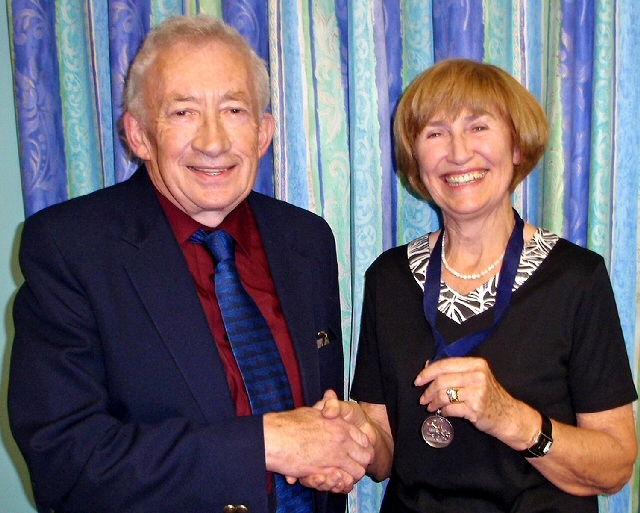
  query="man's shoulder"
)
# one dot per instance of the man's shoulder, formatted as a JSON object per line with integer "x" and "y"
{"x": 282, "y": 211}
{"x": 282, "y": 224}
{"x": 96, "y": 205}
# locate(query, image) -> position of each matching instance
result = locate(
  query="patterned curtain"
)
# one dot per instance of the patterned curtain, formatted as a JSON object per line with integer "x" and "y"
{"x": 338, "y": 68}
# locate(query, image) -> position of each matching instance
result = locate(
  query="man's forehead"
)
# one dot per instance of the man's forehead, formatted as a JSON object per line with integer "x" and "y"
{"x": 197, "y": 62}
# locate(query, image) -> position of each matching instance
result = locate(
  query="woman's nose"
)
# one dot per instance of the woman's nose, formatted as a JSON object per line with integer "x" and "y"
{"x": 459, "y": 150}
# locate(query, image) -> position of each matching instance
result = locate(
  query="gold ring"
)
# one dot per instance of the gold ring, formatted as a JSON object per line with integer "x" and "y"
{"x": 452, "y": 394}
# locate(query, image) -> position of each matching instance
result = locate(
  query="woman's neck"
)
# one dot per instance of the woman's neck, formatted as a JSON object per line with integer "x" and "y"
{"x": 477, "y": 241}
{"x": 474, "y": 248}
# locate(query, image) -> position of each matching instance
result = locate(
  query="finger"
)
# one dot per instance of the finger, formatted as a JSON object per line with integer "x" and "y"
{"x": 359, "y": 436}
{"x": 359, "y": 459}
{"x": 443, "y": 394}
{"x": 419, "y": 378}
{"x": 352, "y": 467}
{"x": 347, "y": 482}
{"x": 316, "y": 481}
{"x": 332, "y": 409}
{"x": 460, "y": 365}
{"x": 291, "y": 480}
{"x": 328, "y": 395}
{"x": 431, "y": 371}
{"x": 342, "y": 489}
{"x": 325, "y": 482}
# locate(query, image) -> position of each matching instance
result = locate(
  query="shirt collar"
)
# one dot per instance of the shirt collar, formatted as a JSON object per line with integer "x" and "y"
{"x": 235, "y": 223}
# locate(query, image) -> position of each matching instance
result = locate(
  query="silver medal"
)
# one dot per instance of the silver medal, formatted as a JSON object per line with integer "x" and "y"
{"x": 437, "y": 431}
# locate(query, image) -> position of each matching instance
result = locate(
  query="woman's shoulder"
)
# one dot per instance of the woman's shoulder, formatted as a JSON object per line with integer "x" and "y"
{"x": 390, "y": 257}
{"x": 571, "y": 254}
{"x": 404, "y": 261}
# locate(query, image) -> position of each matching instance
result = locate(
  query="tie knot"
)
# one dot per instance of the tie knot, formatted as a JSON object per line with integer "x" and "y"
{"x": 220, "y": 243}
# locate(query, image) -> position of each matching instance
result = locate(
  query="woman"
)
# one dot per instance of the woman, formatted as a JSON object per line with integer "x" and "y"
{"x": 525, "y": 401}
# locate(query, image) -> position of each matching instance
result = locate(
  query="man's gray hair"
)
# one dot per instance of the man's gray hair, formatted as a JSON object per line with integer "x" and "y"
{"x": 194, "y": 30}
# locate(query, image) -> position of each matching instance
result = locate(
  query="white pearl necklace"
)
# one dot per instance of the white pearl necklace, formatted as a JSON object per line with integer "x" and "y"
{"x": 468, "y": 276}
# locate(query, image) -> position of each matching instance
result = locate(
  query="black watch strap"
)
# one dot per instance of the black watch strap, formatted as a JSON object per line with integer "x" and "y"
{"x": 543, "y": 443}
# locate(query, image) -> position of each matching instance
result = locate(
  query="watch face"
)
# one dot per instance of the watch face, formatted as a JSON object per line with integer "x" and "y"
{"x": 545, "y": 443}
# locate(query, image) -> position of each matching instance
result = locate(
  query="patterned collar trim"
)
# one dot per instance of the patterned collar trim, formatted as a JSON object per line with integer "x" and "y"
{"x": 459, "y": 307}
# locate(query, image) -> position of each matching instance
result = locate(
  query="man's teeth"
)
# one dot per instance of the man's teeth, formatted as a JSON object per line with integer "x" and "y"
{"x": 465, "y": 178}
{"x": 209, "y": 172}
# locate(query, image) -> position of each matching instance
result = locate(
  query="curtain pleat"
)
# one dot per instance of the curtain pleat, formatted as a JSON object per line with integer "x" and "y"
{"x": 39, "y": 104}
{"x": 602, "y": 110}
{"x": 100, "y": 70}
{"x": 576, "y": 72}
{"x": 129, "y": 22}
{"x": 533, "y": 43}
{"x": 338, "y": 68}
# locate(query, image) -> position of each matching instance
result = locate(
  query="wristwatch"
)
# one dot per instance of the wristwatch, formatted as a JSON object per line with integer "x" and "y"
{"x": 542, "y": 445}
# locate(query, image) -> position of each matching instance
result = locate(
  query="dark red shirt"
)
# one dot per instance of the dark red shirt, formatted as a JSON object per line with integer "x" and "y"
{"x": 253, "y": 267}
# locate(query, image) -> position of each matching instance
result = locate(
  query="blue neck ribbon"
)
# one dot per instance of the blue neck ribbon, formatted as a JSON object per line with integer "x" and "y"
{"x": 465, "y": 345}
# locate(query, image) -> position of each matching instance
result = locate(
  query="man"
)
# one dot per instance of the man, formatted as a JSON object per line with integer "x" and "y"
{"x": 125, "y": 393}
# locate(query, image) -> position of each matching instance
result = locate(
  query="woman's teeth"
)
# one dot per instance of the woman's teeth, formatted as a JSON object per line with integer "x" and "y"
{"x": 465, "y": 178}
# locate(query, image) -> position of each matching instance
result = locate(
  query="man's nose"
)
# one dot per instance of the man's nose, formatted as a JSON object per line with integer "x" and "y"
{"x": 212, "y": 136}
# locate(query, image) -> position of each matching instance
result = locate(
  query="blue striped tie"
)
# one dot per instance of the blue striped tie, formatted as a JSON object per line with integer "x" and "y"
{"x": 255, "y": 351}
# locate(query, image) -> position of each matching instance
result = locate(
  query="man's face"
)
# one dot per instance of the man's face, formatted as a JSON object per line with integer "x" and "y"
{"x": 203, "y": 137}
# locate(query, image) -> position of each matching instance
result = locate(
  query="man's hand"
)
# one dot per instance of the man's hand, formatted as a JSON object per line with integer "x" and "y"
{"x": 335, "y": 479}
{"x": 303, "y": 442}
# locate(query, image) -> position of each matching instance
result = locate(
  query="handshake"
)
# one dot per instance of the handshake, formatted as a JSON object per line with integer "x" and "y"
{"x": 329, "y": 446}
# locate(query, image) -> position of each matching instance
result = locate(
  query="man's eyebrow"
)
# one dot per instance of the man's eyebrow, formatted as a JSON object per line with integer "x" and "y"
{"x": 181, "y": 98}
{"x": 237, "y": 96}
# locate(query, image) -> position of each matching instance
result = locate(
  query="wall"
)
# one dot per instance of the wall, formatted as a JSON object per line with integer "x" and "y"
{"x": 15, "y": 494}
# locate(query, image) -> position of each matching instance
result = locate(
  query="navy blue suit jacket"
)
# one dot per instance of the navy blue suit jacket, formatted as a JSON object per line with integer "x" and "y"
{"x": 118, "y": 398}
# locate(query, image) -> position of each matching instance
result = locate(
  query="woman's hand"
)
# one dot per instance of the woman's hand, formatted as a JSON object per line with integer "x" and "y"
{"x": 594, "y": 457}
{"x": 477, "y": 396}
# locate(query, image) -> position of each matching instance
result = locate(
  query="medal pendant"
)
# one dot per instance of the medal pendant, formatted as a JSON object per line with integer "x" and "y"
{"x": 437, "y": 431}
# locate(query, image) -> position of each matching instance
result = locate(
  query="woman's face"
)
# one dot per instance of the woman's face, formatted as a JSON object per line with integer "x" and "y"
{"x": 466, "y": 163}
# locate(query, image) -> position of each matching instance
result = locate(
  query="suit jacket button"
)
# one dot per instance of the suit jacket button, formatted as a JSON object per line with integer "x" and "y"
{"x": 229, "y": 508}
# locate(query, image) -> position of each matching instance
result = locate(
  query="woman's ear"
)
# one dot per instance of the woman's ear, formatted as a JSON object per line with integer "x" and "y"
{"x": 517, "y": 156}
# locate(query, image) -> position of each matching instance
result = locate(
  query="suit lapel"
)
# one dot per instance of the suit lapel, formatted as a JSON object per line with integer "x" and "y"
{"x": 293, "y": 281}
{"x": 175, "y": 311}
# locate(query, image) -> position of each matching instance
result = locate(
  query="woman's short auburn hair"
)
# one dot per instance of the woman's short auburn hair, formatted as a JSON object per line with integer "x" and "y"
{"x": 453, "y": 85}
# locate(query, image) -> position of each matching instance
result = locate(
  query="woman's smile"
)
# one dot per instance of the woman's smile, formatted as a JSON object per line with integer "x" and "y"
{"x": 456, "y": 180}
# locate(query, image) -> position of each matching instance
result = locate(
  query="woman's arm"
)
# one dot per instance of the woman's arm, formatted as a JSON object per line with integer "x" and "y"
{"x": 594, "y": 457}
{"x": 378, "y": 420}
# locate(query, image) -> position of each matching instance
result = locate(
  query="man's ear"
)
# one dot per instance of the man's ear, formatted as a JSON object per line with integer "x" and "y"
{"x": 136, "y": 137}
{"x": 265, "y": 132}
